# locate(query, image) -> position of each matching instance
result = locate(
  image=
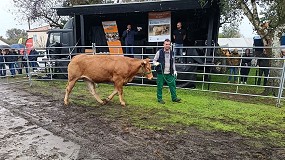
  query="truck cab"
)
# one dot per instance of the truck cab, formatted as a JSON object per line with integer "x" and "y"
{"x": 60, "y": 42}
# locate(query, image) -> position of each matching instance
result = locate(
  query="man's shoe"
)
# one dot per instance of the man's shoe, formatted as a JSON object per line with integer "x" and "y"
{"x": 161, "y": 102}
{"x": 176, "y": 100}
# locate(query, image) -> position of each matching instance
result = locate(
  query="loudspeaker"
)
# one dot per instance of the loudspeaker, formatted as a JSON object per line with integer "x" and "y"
{"x": 282, "y": 40}
{"x": 257, "y": 41}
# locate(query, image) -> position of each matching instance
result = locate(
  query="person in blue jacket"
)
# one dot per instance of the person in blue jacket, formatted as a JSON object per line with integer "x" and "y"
{"x": 129, "y": 37}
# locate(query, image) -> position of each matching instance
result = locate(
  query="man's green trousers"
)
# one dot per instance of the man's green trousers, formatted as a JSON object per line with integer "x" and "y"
{"x": 170, "y": 80}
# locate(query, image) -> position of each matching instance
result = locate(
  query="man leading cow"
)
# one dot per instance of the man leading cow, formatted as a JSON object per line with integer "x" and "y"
{"x": 166, "y": 71}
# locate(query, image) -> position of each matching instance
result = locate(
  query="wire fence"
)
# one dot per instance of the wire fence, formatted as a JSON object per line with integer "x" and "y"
{"x": 200, "y": 68}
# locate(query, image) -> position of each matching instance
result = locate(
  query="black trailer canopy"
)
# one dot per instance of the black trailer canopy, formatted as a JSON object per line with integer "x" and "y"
{"x": 131, "y": 7}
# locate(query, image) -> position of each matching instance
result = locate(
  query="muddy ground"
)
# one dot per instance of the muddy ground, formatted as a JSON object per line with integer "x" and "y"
{"x": 39, "y": 127}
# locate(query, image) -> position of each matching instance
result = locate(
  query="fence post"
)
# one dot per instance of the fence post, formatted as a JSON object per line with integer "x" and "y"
{"x": 205, "y": 63}
{"x": 28, "y": 65}
{"x": 50, "y": 64}
{"x": 94, "y": 48}
{"x": 281, "y": 86}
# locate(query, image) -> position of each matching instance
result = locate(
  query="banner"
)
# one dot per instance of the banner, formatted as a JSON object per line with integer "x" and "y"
{"x": 159, "y": 26}
{"x": 112, "y": 37}
{"x": 20, "y": 41}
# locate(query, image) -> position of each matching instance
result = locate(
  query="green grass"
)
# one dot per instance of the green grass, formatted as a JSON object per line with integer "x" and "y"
{"x": 232, "y": 87}
{"x": 206, "y": 111}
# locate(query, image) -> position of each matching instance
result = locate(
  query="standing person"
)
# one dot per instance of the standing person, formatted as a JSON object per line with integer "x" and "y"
{"x": 166, "y": 71}
{"x": 234, "y": 62}
{"x": 179, "y": 36}
{"x": 2, "y": 64}
{"x": 16, "y": 57}
{"x": 10, "y": 58}
{"x": 129, "y": 37}
{"x": 33, "y": 58}
{"x": 18, "y": 63}
{"x": 245, "y": 62}
{"x": 264, "y": 63}
{"x": 25, "y": 62}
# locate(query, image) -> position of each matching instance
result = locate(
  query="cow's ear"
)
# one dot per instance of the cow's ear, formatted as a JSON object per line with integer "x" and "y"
{"x": 144, "y": 62}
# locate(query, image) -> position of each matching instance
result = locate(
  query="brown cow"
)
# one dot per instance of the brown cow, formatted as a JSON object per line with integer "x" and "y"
{"x": 105, "y": 68}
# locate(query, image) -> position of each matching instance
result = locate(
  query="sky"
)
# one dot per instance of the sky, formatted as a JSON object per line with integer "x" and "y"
{"x": 8, "y": 21}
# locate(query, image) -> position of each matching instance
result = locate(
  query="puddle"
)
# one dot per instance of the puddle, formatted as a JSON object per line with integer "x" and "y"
{"x": 21, "y": 140}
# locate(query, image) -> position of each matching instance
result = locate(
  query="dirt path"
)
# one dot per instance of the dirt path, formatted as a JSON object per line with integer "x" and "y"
{"x": 31, "y": 124}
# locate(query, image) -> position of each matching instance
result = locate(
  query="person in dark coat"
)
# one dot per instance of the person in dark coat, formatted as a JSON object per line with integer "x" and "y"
{"x": 129, "y": 37}
{"x": 10, "y": 58}
{"x": 246, "y": 61}
{"x": 33, "y": 58}
{"x": 264, "y": 63}
{"x": 18, "y": 63}
{"x": 2, "y": 64}
{"x": 179, "y": 36}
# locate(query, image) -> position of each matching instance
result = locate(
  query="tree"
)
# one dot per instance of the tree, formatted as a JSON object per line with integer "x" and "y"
{"x": 230, "y": 31}
{"x": 269, "y": 24}
{"x": 39, "y": 10}
{"x": 230, "y": 12}
{"x": 4, "y": 40}
{"x": 42, "y": 10}
{"x": 13, "y": 35}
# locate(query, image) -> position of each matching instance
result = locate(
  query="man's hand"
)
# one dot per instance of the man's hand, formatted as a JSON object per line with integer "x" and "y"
{"x": 156, "y": 63}
{"x": 175, "y": 73}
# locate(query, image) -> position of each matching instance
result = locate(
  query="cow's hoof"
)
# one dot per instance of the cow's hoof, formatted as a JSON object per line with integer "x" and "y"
{"x": 123, "y": 104}
{"x": 104, "y": 102}
{"x": 66, "y": 103}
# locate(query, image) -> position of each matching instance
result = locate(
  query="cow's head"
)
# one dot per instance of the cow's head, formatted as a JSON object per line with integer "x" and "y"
{"x": 146, "y": 69}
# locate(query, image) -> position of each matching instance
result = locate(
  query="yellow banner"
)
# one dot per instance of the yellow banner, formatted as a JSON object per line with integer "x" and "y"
{"x": 112, "y": 37}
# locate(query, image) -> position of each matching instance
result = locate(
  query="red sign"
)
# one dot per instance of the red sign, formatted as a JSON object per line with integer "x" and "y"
{"x": 29, "y": 45}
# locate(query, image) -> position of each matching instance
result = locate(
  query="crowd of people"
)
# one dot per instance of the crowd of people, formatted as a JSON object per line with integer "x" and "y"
{"x": 240, "y": 64}
{"x": 15, "y": 60}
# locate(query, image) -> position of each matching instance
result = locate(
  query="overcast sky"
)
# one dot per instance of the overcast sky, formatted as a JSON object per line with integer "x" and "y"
{"x": 9, "y": 21}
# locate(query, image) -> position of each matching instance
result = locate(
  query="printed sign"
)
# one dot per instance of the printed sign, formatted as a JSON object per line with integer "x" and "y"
{"x": 159, "y": 26}
{"x": 112, "y": 37}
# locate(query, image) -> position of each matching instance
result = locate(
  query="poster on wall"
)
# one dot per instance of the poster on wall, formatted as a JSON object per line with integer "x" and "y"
{"x": 159, "y": 26}
{"x": 112, "y": 37}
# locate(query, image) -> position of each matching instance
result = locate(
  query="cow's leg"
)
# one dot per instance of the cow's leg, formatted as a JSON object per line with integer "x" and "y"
{"x": 119, "y": 87}
{"x": 111, "y": 96}
{"x": 69, "y": 87}
{"x": 91, "y": 87}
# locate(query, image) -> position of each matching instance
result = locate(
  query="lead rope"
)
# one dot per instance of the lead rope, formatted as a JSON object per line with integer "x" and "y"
{"x": 174, "y": 77}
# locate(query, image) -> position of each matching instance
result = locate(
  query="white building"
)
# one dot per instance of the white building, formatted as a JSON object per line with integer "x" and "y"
{"x": 236, "y": 42}
{"x": 39, "y": 36}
